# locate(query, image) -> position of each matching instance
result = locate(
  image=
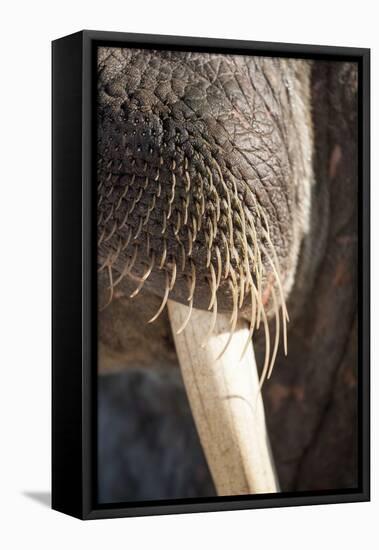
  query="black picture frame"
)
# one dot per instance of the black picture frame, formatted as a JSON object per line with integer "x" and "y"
{"x": 74, "y": 275}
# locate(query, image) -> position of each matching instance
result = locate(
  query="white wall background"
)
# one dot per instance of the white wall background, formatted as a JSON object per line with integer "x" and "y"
{"x": 27, "y": 29}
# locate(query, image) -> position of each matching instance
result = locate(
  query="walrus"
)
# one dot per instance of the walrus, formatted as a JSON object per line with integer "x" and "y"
{"x": 226, "y": 184}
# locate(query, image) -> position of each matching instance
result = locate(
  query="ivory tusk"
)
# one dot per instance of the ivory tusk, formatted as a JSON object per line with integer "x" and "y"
{"x": 226, "y": 402}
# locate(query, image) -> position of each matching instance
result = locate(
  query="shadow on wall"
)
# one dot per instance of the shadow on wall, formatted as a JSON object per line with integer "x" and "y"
{"x": 42, "y": 497}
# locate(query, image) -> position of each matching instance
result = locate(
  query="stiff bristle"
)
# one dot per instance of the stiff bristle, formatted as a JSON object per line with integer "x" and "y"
{"x": 237, "y": 248}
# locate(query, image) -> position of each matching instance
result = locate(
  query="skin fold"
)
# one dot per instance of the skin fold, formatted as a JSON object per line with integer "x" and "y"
{"x": 270, "y": 144}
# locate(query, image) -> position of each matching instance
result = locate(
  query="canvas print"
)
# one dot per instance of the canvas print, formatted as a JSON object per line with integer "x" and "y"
{"x": 227, "y": 254}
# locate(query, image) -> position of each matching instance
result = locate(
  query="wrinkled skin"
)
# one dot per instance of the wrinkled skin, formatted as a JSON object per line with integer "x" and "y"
{"x": 285, "y": 131}
{"x": 199, "y": 127}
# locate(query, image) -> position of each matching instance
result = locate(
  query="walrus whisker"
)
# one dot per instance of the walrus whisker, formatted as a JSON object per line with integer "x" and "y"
{"x": 267, "y": 353}
{"x": 124, "y": 220}
{"x": 193, "y": 281}
{"x": 186, "y": 320}
{"x": 136, "y": 200}
{"x": 200, "y": 189}
{"x": 211, "y": 235}
{"x": 284, "y": 309}
{"x": 202, "y": 204}
{"x": 173, "y": 275}
{"x": 144, "y": 277}
{"x": 244, "y": 234}
{"x": 128, "y": 266}
{"x": 139, "y": 229}
{"x": 242, "y": 286}
{"x": 218, "y": 207}
{"x": 164, "y": 254}
{"x": 266, "y": 233}
{"x": 259, "y": 294}
{"x": 183, "y": 253}
{"x": 277, "y": 332}
{"x": 253, "y": 291}
{"x": 259, "y": 276}
{"x": 194, "y": 227}
{"x": 198, "y": 213}
{"x": 171, "y": 199}
{"x": 209, "y": 252}
{"x": 219, "y": 266}
{"x": 127, "y": 241}
{"x": 213, "y": 287}
{"x": 100, "y": 239}
{"x": 109, "y": 215}
{"x": 186, "y": 204}
{"x": 189, "y": 253}
{"x": 188, "y": 182}
{"x": 122, "y": 196}
{"x": 276, "y": 263}
{"x": 164, "y": 224}
{"x": 235, "y": 286}
{"x": 253, "y": 234}
{"x": 234, "y": 320}
{"x": 229, "y": 208}
{"x": 234, "y": 255}
{"x": 148, "y": 245}
{"x": 115, "y": 256}
{"x": 169, "y": 211}
{"x": 227, "y": 253}
{"x": 111, "y": 287}
{"x": 177, "y": 228}
{"x": 105, "y": 262}
{"x": 149, "y": 210}
{"x": 164, "y": 301}
{"x": 111, "y": 233}
{"x": 212, "y": 324}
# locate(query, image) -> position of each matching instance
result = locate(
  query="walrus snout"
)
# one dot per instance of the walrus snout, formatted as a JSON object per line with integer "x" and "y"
{"x": 197, "y": 191}
{"x": 177, "y": 222}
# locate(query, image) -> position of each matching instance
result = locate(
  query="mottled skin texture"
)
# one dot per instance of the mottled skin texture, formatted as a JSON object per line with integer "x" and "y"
{"x": 286, "y": 132}
{"x": 185, "y": 129}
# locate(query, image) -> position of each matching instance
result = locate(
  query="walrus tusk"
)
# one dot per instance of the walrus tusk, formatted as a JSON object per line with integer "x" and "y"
{"x": 226, "y": 402}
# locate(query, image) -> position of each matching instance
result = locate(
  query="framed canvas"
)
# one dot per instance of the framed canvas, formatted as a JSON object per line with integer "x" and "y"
{"x": 210, "y": 275}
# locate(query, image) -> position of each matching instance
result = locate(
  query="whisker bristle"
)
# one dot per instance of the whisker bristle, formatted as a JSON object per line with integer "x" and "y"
{"x": 164, "y": 301}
